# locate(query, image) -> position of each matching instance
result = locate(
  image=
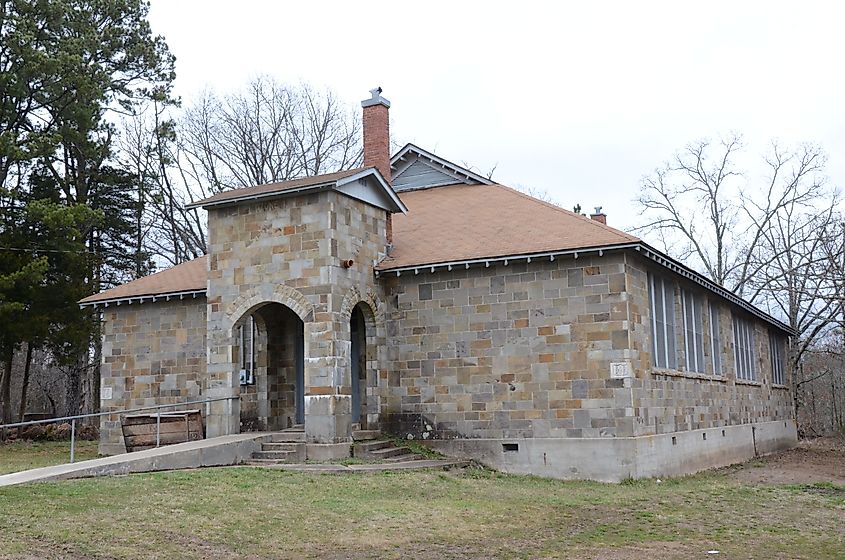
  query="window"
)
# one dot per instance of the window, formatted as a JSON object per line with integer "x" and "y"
{"x": 693, "y": 331}
{"x": 715, "y": 340}
{"x": 744, "y": 349}
{"x": 777, "y": 351}
{"x": 662, "y": 295}
{"x": 248, "y": 345}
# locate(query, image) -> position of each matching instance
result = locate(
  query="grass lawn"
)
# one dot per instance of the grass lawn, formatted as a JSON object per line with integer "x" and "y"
{"x": 261, "y": 513}
{"x": 22, "y": 455}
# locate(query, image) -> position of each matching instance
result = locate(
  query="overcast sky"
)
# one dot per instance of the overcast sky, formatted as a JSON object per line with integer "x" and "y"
{"x": 580, "y": 100}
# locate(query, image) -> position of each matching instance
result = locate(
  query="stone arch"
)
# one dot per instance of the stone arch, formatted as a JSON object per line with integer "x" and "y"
{"x": 256, "y": 297}
{"x": 354, "y": 297}
{"x": 372, "y": 310}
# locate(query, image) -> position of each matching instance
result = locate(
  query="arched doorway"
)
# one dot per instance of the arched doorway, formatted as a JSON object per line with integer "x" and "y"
{"x": 269, "y": 357}
{"x": 358, "y": 358}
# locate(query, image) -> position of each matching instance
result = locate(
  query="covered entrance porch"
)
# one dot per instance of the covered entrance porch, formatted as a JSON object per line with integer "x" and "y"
{"x": 292, "y": 372}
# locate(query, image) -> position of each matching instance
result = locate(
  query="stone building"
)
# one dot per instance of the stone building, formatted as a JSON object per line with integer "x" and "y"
{"x": 415, "y": 296}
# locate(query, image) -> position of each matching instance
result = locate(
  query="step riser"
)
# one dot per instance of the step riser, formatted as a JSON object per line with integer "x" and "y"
{"x": 388, "y": 452}
{"x": 281, "y": 456}
{"x": 275, "y": 446}
{"x": 402, "y": 458}
{"x": 292, "y": 437}
{"x": 365, "y": 435}
{"x": 369, "y": 446}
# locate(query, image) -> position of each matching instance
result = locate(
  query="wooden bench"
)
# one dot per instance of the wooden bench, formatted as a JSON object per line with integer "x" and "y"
{"x": 139, "y": 430}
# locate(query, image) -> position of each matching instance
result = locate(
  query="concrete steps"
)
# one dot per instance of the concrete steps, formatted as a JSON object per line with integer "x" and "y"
{"x": 285, "y": 447}
{"x": 382, "y": 450}
{"x": 289, "y": 447}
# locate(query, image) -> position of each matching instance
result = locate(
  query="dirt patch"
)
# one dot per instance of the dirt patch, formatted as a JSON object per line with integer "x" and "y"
{"x": 812, "y": 461}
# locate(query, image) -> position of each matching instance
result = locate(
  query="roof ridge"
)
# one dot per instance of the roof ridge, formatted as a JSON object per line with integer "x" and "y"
{"x": 566, "y": 212}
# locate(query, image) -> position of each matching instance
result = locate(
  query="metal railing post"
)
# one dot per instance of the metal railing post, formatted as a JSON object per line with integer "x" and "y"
{"x": 72, "y": 440}
{"x": 158, "y": 428}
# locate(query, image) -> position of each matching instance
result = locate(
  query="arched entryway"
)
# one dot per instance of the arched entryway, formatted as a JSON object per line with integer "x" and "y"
{"x": 363, "y": 357}
{"x": 358, "y": 358}
{"x": 269, "y": 356}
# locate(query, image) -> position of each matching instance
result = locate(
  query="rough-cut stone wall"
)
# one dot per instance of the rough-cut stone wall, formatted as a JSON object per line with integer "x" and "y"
{"x": 283, "y": 333}
{"x": 510, "y": 351}
{"x": 292, "y": 251}
{"x": 153, "y": 353}
{"x": 525, "y": 351}
{"x": 676, "y": 400}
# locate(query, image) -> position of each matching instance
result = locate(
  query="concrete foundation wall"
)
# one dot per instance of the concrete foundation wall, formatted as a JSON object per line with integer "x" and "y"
{"x": 615, "y": 459}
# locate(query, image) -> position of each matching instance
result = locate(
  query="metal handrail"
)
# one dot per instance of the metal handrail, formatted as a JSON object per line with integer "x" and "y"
{"x": 76, "y": 417}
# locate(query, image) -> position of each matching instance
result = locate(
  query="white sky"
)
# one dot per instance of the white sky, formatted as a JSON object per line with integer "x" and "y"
{"x": 578, "y": 99}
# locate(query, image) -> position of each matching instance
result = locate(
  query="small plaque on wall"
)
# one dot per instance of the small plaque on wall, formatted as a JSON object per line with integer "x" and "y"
{"x": 105, "y": 393}
{"x": 620, "y": 370}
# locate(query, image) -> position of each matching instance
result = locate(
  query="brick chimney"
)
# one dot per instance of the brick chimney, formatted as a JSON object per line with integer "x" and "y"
{"x": 599, "y": 216}
{"x": 376, "y": 123}
{"x": 377, "y": 133}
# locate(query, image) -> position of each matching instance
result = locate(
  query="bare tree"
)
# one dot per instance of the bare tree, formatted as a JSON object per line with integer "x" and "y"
{"x": 267, "y": 133}
{"x": 705, "y": 211}
{"x": 777, "y": 243}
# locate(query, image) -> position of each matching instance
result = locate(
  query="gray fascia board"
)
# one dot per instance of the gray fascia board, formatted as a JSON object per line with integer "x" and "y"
{"x": 129, "y": 300}
{"x": 261, "y": 196}
{"x": 681, "y": 269}
{"x": 656, "y": 256}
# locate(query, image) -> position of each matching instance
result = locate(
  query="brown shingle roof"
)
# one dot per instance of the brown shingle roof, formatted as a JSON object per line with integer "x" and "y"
{"x": 466, "y": 222}
{"x": 185, "y": 277}
{"x": 443, "y": 224}
{"x": 272, "y": 188}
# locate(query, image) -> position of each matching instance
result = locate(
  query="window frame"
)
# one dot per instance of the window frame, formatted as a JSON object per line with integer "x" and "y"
{"x": 716, "y": 361}
{"x": 745, "y": 353}
{"x": 693, "y": 330}
{"x": 248, "y": 358}
{"x": 665, "y": 328}
{"x": 777, "y": 356}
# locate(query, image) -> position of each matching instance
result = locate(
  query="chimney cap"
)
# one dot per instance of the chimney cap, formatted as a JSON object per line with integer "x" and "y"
{"x": 376, "y": 99}
{"x": 598, "y": 210}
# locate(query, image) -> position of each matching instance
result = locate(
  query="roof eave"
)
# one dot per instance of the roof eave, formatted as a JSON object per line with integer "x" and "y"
{"x": 260, "y": 196}
{"x": 639, "y": 246}
{"x": 143, "y": 298}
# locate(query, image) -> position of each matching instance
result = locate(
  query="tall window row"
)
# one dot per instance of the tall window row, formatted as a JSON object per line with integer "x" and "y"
{"x": 687, "y": 318}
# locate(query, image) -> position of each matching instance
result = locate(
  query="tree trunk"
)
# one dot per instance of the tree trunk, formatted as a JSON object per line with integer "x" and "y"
{"x": 25, "y": 382}
{"x": 6, "y": 394}
{"x": 73, "y": 387}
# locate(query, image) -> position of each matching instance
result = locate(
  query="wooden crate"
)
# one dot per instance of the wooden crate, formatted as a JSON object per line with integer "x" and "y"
{"x": 139, "y": 430}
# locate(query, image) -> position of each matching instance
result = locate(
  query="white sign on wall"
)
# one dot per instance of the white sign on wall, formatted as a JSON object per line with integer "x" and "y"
{"x": 620, "y": 370}
{"x": 105, "y": 393}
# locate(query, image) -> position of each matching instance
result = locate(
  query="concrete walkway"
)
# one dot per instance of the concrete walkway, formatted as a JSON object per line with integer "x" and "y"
{"x": 369, "y": 467}
{"x": 214, "y": 452}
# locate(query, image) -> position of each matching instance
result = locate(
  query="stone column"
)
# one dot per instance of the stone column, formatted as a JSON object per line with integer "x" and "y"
{"x": 222, "y": 417}
{"x": 328, "y": 402}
